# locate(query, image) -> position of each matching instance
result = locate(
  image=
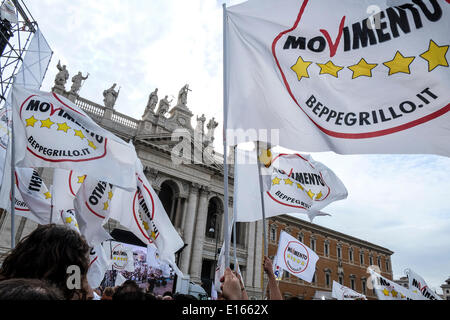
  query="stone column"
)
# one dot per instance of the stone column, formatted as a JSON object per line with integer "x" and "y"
{"x": 188, "y": 229}
{"x": 250, "y": 254}
{"x": 200, "y": 225}
{"x": 183, "y": 218}
{"x": 178, "y": 213}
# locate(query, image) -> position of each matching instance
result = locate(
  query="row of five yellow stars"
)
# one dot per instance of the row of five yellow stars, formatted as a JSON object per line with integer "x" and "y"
{"x": 393, "y": 292}
{"x": 47, "y": 123}
{"x": 435, "y": 55}
{"x": 288, "y": 181}
{"x": 296, "y": 259}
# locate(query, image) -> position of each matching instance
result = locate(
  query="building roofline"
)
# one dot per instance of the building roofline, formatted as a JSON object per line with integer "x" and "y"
{"x": 327, "y": 231}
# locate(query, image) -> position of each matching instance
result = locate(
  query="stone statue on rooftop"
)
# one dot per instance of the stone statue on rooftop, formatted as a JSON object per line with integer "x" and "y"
{"x": 200, "y": 124}
{"x": 61, "y": 77}
{"x": 76, "y": 82}
{"x": 182, "y": 95}
{"x": 164, "y": 105}
{"x": 110, "y": 96}
{"x": 212, "y": 125}
{"x": 151, "y": 104}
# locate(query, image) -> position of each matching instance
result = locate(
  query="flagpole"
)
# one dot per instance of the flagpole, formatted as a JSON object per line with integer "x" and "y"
{"x": 225, "y": 122}
{"x": 13, "y": 176}
{"x": 234, "y": 224}
{"x": 51, "y": 203}
{"x": 266, "y": 249}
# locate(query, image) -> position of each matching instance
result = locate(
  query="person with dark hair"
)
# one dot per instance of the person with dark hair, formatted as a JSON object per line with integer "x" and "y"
{"x": 129, "y": 290}
{"x": 29, "y": 289}
{"x": 46, "y": 254}
{"x": 107, "y": 293}
{"x": 183, "y": 297}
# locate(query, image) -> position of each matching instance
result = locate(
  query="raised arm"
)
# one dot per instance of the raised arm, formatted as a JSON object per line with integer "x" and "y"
{"x": 274, "y": 290}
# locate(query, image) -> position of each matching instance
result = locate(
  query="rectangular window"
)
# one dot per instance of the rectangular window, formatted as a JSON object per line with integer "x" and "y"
{"x": 361, "y": 258}
{"x": 327, "y": 279}
{"x": 350, "y": 254}
{"x": 363, "y": 283}
{"x": 273, "y": 234}
{"x": 326, "y": 249}
{"x": 314, "y": 278}
{"x": 352, "y": 283}
{"x": 387, "y": 265}
{"x": 313, "y": 244}
{"x": 379, "y": 262}
{"x": 339, "y": 252}
{"x": 341, "y": 280}
{"x": 370, "y": 260}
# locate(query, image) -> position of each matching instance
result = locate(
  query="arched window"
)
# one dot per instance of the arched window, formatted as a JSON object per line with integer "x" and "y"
{"x": 169, "y": 195}
{"x": 214, "y": 218}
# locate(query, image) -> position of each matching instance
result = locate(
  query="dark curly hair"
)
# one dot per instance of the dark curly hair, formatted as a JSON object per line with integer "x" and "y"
{"x": 45, "y": 254}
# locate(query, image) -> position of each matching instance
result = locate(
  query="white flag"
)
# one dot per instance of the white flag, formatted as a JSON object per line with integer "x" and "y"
{"x": 143, "y": 214}
{"x": 51, "y": 131}
{"x": 296, "y": 258}
{"x": 34, "y": 194}
{"x": 92, "y": 207}
{"x": 122, "y": 258}
{"x": 292, "y": 183}
{"x": 98, "y": 265}
{"x": 8, "y": 12}
{"x": 119, "y": 279}
{"x": 386, "y": 289}
{"x": 332, "y": 76}
{"x": 341, "y": 292}
{"x": 65, "y": 187}
{"x": 419, "y": 288}
{"x": 153, "y": 257}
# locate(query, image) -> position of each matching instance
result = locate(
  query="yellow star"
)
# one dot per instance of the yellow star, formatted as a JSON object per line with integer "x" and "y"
{"x": 145, "y": 225}
{"x": 81, "y": 179}
{"x": 362, "y": 68}
{"x": 386, "y": 292}
{"x": 47, "y": 195}
{"x": 310, "y": 193}
{"x": 300, "y": 68}
{"x": 403, "y": 297}
{"x": 399, "y": 64}
{"x": 76, "y": 225}
{"x": 288, "y": 181}
{"x": 266, "y": 157}
{"x": 275, "y": 181}
{"x": 394, "y": 293}
{"x": 300, "y": 186}
{"x": 303, "y": 263}
{"x": 153, "y": 235}
{"x": 105, "y": 205}
{"x": 31, "y": 121}
{"x": 63, "y": 127}
{"x": 46, "y": 123}
{"x": 319, "y": 195}
{"x": 80, "y": 134}
{"x": 68, "y": 220}
{"x": 329, "y": 68}
{"x": 110, "y": 195}
{"x": 435, "y": 55}
{"x": 92, "y": 145}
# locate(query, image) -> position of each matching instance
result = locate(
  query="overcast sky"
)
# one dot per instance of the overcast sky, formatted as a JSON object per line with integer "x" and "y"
{"x": 400, "y": 202}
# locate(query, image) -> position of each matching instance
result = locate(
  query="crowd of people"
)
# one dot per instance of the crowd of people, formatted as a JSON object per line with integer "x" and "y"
{"x": 36, "y": 269}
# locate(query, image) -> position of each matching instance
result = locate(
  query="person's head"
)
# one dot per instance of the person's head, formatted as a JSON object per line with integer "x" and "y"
{"x": 183, "y": 297}
{"x": 107, "y": 293}
{"x": 46, "y": 254}
{"x": 168, "y": 294}
{"x": 29, "y": 289}
{"x": 129, "y": 290}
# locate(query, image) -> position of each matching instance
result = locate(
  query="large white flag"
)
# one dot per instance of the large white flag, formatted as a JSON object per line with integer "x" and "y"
{"x": 98, "y": 260}
{"x": 341, "y": 292}
{"x": 386, "y": 289}
{"x": 142, "y": 213}
{"x": 345, "y": 76}
{"x": 35, "y": 195}
{"x": 51, "y": 131}
{"x": 65, "y": 187}
{"x": 122, "y": 258}
{"x": 419, "y": 288}
{"x": 292, "y": 183}
{"x": 296, "y": 258}
{"x": 92, "y": 207}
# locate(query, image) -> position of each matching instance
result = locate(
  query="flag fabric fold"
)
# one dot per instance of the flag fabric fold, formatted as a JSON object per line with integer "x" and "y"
{"x": 341, "y": 292}
{"x": 419, "y": 288}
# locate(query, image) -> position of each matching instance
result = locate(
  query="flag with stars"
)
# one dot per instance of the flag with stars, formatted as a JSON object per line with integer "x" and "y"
{"x": 92, "y": 208}
{"x": 419, "y": 288}
{"x": 65, "y": 187}
{"x": 51, "y": 131}
{"x": 142, "y": 213}
{"x": 341, "y": 292}
{"x": 386, "y": 289}
{"x": 346, "y": 76}
{"x": 295, "y": 257}
{"x": 292, "y": 183}
{"x": 34, "y": 199}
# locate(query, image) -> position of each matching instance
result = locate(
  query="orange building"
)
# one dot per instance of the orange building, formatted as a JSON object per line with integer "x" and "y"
{"x": 342, "y": 258}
